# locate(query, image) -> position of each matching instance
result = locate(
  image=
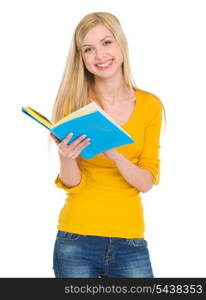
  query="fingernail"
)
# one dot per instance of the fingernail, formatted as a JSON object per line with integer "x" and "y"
{"x": 71, "y": 133}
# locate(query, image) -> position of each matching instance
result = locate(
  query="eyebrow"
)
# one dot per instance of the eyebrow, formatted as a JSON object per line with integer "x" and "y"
{"x": 100, "y": 41}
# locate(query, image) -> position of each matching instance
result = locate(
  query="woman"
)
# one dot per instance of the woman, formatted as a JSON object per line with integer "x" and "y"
{"x": 101, "y": 226}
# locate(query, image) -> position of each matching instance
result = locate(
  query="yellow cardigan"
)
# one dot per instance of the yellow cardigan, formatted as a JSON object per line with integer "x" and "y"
{"x": 104, "y": 203}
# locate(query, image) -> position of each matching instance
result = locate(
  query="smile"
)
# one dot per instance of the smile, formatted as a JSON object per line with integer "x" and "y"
{"x": 105, "y": 65}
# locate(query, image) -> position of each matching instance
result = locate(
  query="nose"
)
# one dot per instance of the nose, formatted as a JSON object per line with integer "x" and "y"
{"x": 99, "y": 53}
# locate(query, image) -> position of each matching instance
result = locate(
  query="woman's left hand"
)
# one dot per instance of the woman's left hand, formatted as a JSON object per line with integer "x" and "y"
{"x": 112, "y": 154}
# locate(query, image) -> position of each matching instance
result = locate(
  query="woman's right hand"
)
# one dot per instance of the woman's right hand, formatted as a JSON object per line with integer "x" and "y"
{"x": 72, "y": 150}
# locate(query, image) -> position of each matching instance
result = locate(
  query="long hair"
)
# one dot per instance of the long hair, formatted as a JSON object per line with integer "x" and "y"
{"x": 77, "y": 82}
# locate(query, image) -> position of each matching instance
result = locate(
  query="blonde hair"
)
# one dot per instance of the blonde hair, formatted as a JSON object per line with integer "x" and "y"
{"x": 77, "y": 83}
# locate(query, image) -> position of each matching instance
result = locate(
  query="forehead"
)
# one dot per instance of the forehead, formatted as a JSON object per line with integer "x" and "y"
{"x": 95, "y": 34}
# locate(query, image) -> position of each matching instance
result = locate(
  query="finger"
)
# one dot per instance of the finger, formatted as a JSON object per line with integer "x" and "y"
{"x": 82, "y": 146}
{"x": 77, "y": 141}
{"x": 68, "y": 137}
{"x": 78, "y": 152}
{"x": 75, "y": 151}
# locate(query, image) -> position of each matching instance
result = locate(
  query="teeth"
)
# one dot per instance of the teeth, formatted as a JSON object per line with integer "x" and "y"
{"x": 103, "y": 65}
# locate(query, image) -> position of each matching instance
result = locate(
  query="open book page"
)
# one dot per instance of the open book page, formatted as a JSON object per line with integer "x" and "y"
{"x": 36, "y": 115}
{"x": 92, "y": 107}
{"x": 87, "y": 109}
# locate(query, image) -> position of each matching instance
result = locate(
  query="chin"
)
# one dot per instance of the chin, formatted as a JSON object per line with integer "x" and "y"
{"x": 106, "y": 75}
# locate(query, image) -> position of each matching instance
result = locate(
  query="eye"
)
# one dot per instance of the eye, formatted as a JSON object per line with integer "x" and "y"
{"x": 108, "y": 42}
{"x": 87, "y": 50}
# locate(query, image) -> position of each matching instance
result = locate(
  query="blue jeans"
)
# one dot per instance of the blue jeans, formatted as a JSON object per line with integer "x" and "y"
{"x": 87, "y": 256}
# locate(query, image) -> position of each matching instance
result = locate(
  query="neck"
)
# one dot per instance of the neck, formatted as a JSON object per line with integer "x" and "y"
{"x": 110, "y": 90}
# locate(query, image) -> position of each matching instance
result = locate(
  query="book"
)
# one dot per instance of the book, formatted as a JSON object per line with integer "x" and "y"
{"x": 91, "y": 120}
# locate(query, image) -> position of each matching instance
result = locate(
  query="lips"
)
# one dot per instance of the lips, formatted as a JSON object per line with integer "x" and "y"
{"x": 104, "y": 64}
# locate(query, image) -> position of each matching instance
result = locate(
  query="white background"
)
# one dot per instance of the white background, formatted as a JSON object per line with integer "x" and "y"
{"x": 167, "y": 51}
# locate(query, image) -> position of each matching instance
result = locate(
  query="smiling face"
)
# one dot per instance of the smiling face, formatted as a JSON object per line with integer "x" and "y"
{"x": 101, "y": 53}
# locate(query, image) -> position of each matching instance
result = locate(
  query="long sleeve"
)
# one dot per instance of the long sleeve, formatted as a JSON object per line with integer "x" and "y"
{"x": 149, "y": 157}
{"x": 74, "y": 189}
{"x": 58, "y": 181}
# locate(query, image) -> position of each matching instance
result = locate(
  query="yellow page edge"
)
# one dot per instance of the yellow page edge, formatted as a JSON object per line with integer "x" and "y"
{"x": 41, "y": 118}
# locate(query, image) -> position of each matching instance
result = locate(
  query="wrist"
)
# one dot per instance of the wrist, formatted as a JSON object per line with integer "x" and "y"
{"x": 64, "y": 159}
{"x": 118, "y": 158}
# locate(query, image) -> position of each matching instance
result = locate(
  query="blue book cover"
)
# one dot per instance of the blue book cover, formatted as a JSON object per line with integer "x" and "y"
{"x": 91, "y": 120}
